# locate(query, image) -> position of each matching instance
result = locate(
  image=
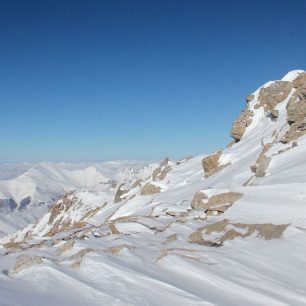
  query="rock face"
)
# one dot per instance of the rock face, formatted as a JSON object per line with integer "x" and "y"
{"x": 197, "y": 201}
{"x": 296, "y": 111}
{"x": 224, "y": 230}
{"x": 26, "y": 261}
{"x": 241, "y": 123}
{"x": 262, "y": 162}
{"x": 211, "y": 164}
{"x": 160, "y": 173}
{"x": 216, "y": 203}
{"x": 149, "y": 189}
{"x": 273, "y": 94}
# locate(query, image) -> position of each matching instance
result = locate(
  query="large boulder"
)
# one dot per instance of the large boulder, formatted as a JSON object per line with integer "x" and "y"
{"x": 197, "y": 201}
{"x": 211, "y": 164}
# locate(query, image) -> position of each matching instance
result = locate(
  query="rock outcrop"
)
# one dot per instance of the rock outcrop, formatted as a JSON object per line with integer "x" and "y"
{"x": 225, "y": 230}
{"x": 160, "y": 173}
{"x": 197, "y": 201}
{"x": 241, "y": 123}
{"x": 149, "y": 189}
{"x": 262, "y": 162}
{"x": 216, "y": 203}
{"x": 25, "y": 261}
{"x": 211, "y": 164}
{"x": 271, "y": 95}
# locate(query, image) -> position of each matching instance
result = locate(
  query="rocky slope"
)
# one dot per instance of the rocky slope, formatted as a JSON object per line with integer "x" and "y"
{"x": 223, "y": 229}
{"x": 27, "y": 190}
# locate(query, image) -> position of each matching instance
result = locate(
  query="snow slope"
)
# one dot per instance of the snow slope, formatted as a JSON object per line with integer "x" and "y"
{"x": 236, "y": 237}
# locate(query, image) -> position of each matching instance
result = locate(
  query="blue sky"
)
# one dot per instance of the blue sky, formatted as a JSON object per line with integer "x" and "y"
{"x": 96, "y": 80}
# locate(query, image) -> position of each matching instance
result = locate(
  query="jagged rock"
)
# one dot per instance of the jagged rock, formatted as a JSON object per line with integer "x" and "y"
{"x": 249, "y": 98}
{"x": 224, "y": 230}
{"x": 295, "y": 131}
{"x": 241, "y": 123}
{"x": 273, "y": 114}
{"x": 221, "y": 202}
{"x": 161, "y": 172}
{"x": 68, "y": 245}
{"x": 26, "y": 261}
{"x": 197, "y": 201}
{"x": 211, "y": 164}
{"x": 262, "y": 163}
{"x": 149, "y": 189}
{"x": 120, "y": 192}
{"x": 296, "y": 107}
{"x": 273, "y": 94}
{"x": 300, "y": 81}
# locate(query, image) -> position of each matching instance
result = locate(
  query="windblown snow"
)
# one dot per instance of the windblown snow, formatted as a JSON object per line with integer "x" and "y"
{"x": 227, "y": 228}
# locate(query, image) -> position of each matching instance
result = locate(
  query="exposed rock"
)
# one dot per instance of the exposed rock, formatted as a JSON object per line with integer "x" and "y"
{"x": 273, "y": 114}
{"x": 90, "y": 213}
{"x": 296, "y": 107}
{"x": 172, "y": 237}
{"x": 224, "y": 230}
{"x": 273, "y": 94}
{"x": 13, "y": 245}
{"x": 26, "y": 261}
{"x": 300, "y": 81}
{"x": 295, "y": 131}
{"x": 118, "y": 248}
{"x": 68, "y": 245}
{"x": 249, "y": 98}
{"x": 120, "y": 192}
{"x": 197, "y": 201}
{"x": 79, "y": 256}
{"x": 221, "y": 202}
{"x": 211, "y": 164}
{"x": 161, "y": 172}
{"x": 149, "y": 189}
{"x": 262, "y": 163}
{"x": 241, "y": 123}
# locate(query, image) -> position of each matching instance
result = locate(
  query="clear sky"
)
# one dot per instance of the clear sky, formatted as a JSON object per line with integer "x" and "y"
{"x": 96, "y": 80}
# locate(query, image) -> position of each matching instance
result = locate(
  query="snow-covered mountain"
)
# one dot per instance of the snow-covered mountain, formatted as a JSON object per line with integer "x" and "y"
{"x": 223, "y": 229}
{"x": 27, "y": 190}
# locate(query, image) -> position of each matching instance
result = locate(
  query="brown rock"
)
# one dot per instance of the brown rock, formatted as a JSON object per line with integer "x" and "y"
{"x": 300, "y": 81}
{"x": 262, "y": 163}
{"x": 68, "y": 245}
{"x": 241, "y": 123}
{"x": 197, "y": 201}
{"x": 221, "y": 202}
{"x": 26, "y": 261}
{"x": 273, "y": 94}
{"x": 149, "y": 189}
